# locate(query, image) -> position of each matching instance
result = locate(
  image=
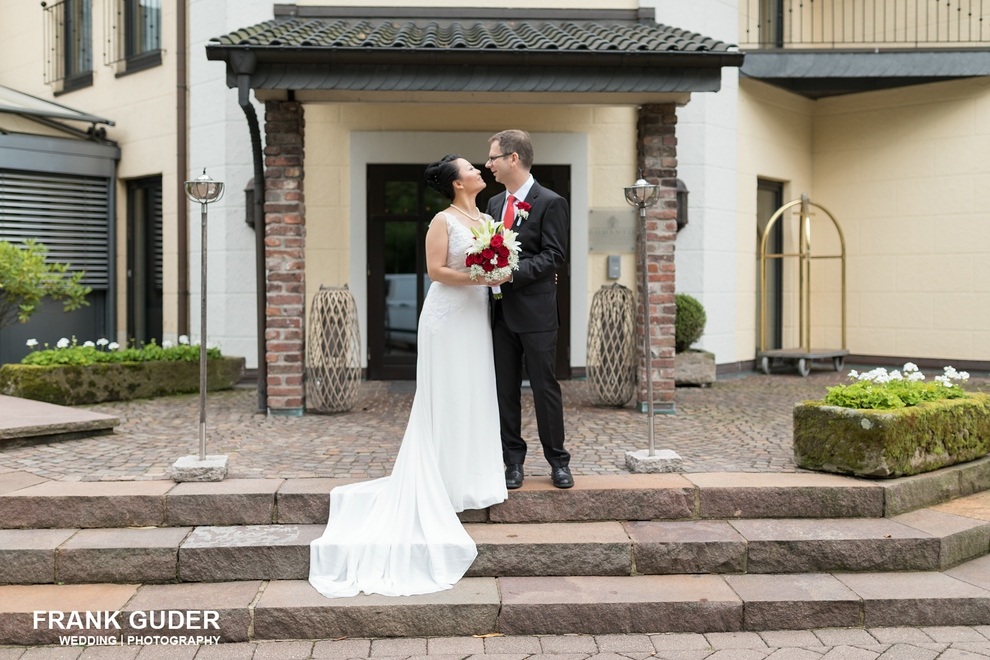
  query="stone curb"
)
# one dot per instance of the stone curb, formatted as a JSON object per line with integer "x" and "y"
{"x": 292, "y": 609}
{"x": 924, "y": 540}
{"x": 55, "y": 504}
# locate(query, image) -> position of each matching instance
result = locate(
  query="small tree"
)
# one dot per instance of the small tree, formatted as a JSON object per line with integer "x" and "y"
{"x": 26, "y": 278}
{"x": 689, "y": 322}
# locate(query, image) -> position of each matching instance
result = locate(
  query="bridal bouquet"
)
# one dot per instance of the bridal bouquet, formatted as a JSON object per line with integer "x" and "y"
{"x": 494, "y": 253}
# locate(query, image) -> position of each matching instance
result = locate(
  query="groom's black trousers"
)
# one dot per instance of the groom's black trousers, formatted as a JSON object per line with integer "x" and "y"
{"x": 539, "y": 349}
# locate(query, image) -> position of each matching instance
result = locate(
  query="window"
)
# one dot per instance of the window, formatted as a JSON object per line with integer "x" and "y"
{"x": 69, "y": 44}
{"x": 134, "y": 34}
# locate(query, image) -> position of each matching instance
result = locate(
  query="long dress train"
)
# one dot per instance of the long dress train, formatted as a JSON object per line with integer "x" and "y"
{"x": 400, "y": 535}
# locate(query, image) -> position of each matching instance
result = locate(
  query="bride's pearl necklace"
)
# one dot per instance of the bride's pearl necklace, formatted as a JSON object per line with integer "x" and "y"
{"x": 466, "y": 214}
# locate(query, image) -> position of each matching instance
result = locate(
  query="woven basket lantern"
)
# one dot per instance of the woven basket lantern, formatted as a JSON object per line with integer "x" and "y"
{"x": 333, "y": 352}
{"x": 611, "y": 346}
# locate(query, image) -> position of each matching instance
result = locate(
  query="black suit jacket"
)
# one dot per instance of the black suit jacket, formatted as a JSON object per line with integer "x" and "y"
{"x": 529, "y": 302}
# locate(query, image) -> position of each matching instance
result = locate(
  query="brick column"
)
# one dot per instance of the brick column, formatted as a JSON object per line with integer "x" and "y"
{"x": 657, "y": 154}
{"x": 285, "y": 256}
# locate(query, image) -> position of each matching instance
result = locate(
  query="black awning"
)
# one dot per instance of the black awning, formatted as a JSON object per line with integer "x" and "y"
{"x": 483, "y": 51}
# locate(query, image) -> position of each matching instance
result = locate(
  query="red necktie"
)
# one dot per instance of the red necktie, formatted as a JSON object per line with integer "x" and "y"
{"x": 510, "y": 212}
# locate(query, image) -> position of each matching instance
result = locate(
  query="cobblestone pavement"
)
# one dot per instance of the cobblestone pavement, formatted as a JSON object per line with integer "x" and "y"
{"x": 738, "y": 425}
{"x": 944, "y": 643}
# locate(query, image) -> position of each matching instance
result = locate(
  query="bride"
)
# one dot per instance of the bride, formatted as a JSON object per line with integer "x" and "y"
{"x": 400, "y": 535}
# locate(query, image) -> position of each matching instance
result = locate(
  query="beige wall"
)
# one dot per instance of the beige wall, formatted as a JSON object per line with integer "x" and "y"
{"x": 141, "y": 104}
{"x": 611, "y": 135}
{"x": 906, "y": 171}
{"x": 775, "y": 133}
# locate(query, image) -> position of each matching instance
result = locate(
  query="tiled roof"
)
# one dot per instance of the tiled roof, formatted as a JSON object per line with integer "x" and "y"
{"x": 542, "y": 36}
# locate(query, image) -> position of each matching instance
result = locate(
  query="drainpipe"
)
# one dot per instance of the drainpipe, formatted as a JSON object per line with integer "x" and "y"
{"x": 182, "y": 168}
{"x": 244, "y": 99}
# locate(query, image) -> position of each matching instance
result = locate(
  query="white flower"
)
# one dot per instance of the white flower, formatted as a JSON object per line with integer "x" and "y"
{"x": 113, "y": 346}
{"x": 31, "y": 343}
{"x": 853, "y": 374}
{"x": 89, "y": 344}
{"x": 63, "y": 343}
{"x": 102, "y": 341}
{"x": 895, "y": 375}
{"x": 916, "y": 376}
{"x": 909, "y": 367}
{"x": 166, "y": 343}
{"x": 183, "y": 339}
{"x": 964, "y": 375}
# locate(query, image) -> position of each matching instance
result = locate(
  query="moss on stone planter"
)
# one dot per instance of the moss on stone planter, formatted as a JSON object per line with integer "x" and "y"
{"x": 891, "y": 443}
{"x": 115, "y": 381}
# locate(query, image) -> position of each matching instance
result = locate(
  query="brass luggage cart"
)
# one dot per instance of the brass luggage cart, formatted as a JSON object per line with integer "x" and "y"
{"x": 805, "y": 354}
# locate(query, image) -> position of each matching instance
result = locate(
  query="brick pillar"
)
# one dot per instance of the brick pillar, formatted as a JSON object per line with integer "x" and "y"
{"x": 657, "y": 154}
{"x": 285, "y": 256}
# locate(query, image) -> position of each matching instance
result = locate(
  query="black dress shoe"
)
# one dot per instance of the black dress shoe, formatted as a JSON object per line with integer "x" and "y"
{"x": 562, "y": 477}
{"x": 513, "y": 476}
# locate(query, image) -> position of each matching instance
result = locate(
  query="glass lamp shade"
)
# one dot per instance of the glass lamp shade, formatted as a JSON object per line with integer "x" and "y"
{"x": 204, "y": 189}
{"x": 642, "y": 194}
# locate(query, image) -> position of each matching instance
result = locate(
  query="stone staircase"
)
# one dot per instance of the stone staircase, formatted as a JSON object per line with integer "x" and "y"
{"x": 631, "y": 553}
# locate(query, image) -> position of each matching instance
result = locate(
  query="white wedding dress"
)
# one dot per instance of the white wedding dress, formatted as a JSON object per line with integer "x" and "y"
{"x": 400, "y": 535}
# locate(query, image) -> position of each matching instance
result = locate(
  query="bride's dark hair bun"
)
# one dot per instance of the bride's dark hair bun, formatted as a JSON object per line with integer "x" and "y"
{"x": 441, "y": 175}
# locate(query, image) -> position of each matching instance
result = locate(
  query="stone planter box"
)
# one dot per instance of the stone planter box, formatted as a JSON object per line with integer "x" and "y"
{"x": 891, "y": 443}
{"x": 694, "y": 367}
{"x": 107, "y": 381}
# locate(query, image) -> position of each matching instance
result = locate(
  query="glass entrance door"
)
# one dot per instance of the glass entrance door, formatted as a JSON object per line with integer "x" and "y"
{"x": 400, "y": 208}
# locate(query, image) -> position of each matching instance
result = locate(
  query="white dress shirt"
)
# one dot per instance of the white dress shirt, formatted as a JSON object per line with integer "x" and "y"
{"x": 519, "y": 194}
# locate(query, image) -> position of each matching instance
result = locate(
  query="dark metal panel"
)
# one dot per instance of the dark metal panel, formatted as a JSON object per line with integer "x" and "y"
{"x": 400, "y": 78}
{"x": 57, "y": 155}
{"x": 900, "y": 64}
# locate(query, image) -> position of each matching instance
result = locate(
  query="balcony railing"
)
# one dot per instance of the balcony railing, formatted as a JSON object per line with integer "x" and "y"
{"x": 854, "y": 24}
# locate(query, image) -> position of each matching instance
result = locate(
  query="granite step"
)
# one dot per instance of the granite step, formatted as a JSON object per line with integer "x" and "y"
{"x": 292, "y": 609}
{"x": 923, "y": 540}
{"x": 28, "y": 501}
{"x": 37, "y": 421}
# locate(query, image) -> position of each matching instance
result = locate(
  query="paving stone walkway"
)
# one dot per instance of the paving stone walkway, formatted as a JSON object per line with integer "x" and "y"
{"x": 943, "y": 643}
{"x": 739, "y": 425}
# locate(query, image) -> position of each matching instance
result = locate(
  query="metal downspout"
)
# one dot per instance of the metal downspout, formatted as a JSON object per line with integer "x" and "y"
{"x": 182, "y": 168}
{"x": 244, "y": 100}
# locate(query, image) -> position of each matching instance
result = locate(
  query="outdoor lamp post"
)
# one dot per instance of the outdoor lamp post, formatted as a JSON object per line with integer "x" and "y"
{"x": 643, "y": 195}
{"x": 205, "y": 191}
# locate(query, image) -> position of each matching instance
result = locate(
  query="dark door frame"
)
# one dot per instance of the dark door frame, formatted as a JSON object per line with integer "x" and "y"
{"x": 775, "y": 245}
{"x": 134, "y": 214}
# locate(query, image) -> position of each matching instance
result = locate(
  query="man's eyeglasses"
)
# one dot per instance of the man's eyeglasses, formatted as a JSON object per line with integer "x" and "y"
{"x": 494, "y": 158}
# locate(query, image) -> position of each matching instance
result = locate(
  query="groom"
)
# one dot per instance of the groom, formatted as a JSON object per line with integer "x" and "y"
{"x": 525, "y": 320}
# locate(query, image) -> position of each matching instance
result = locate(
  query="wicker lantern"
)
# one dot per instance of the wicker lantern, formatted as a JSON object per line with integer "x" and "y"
{"x": 333, "y": 352}
{"x": 611, "y": 346}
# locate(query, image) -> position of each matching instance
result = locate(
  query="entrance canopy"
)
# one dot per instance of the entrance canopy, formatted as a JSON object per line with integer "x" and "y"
{"x": 362, "y": 53}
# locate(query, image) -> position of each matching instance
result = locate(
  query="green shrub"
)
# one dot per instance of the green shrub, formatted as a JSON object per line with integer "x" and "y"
{"x": 73, "y": 354}
{"x": 879, "y": 390}
{"x": 26, "y": 278}
{"x": 689, "y": 322}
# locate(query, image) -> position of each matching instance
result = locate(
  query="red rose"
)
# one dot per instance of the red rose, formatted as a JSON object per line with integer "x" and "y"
{"x": 488, "y": 267}
{"x": 497, "y": 240}
{"x": 523, "y": 206}
{"x": 502, "y": 262}
{"x": 487, "y": 254}
{"x": 502, "y": 251}
{"x": 469, "y": 261}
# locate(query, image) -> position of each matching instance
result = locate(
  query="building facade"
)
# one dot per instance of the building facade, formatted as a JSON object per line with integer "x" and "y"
{"x": 876, "y": 113}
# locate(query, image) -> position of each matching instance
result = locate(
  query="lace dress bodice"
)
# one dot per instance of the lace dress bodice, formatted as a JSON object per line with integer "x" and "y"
{"x": 442, "y": 298}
